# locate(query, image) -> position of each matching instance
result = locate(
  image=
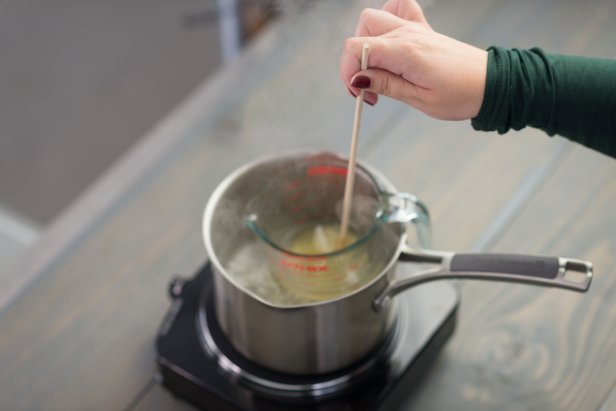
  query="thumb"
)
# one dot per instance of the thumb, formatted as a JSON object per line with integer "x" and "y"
{"x": 385, "y": 83}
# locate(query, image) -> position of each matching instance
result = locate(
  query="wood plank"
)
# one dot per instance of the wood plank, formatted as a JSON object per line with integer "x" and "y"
{"x": 531, "y": 348}
{"x": 610, "y": 402}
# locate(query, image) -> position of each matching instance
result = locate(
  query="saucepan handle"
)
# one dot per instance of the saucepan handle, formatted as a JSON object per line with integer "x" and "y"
{"x": 530, "y": 269}
{"x": 567, "y": 273}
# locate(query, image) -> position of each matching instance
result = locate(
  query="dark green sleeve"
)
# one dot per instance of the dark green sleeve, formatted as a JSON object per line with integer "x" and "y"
{"x": 574, "y": 97}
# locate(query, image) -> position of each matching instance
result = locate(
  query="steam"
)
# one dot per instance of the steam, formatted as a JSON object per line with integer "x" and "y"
{"x": 364, "y": 210}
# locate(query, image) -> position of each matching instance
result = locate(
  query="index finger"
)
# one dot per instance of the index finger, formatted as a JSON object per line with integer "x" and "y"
{"x": 373, "y": 22}
{"x": 383, "y": 55}
{"x": 406, "y": 9}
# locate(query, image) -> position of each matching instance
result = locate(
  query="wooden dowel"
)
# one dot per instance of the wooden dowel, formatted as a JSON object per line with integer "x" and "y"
{"x": 350, "y": 178}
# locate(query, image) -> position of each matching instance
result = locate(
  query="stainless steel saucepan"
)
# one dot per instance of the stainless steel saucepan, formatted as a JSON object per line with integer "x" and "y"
{"x": 271, "y": 302}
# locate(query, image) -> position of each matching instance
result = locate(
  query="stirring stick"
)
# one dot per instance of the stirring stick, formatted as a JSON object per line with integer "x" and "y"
{"x": 350, "y": 179}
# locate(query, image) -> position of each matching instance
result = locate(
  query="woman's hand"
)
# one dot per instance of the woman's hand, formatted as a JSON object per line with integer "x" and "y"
{"x": 410, "y": 62}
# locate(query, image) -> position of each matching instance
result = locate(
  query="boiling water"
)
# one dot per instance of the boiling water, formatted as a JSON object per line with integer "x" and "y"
{"x": 251, "y": 269}
{"x": 251, "y": 266}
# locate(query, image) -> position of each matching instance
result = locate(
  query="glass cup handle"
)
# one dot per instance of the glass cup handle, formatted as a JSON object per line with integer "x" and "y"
{"x": 408, "y": 209}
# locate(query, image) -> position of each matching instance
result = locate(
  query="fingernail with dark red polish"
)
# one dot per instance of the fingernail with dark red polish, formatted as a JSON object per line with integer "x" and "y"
{"x": 361, "y": 81}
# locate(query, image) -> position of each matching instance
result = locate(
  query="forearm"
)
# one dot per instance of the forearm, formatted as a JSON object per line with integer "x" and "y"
{"x": 574, "y": 97}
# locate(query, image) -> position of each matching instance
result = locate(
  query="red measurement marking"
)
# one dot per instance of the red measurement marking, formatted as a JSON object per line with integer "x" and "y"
{"x": 320, "y": 170}
{"x": 303, "y": 267}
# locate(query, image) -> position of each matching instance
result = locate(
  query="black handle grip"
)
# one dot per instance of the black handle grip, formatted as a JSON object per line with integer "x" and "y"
{"x": 527, "y": 265}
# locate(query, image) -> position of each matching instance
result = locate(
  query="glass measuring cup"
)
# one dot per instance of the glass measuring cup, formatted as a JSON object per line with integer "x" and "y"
{"x": 296, "y": 216}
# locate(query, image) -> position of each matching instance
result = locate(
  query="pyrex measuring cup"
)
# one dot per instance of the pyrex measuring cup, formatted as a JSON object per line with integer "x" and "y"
{"x": 297, "y": 217}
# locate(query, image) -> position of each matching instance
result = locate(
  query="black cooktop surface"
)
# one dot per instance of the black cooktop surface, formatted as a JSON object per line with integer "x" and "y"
{"x": 190, "y": 369}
